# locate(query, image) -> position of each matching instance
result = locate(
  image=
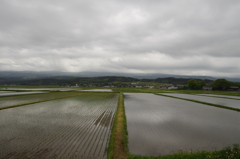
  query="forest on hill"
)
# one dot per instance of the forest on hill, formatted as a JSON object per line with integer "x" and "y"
{"x": 86, "y": 81}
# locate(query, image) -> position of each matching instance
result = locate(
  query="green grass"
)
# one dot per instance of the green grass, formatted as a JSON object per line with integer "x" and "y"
{"x": 227, "y": 153}
{"x": 113, "y": 148}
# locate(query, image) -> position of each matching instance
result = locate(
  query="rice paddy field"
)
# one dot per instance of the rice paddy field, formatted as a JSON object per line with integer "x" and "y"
{"x": 39, "y": 89}
{"x": 97, "y": 90}
{"x": 16, "y": 99}
{"x": 234, "y": 103}
{"x": 45, "y": 123}
{"x": 220, "y": 96}
{"x": 159, "y": 125}
{"x": 11, "y": 93}
{"x": 71, "y": 127}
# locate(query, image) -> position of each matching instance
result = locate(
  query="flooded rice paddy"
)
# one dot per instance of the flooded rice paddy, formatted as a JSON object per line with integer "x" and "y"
{"x": 159, "y": 125}
{"x": 220, "y": 101}
{"x": 11, "y": 93}
{"x": 225, "y": 96}
{"x": 41, "y": 89}
{"x": 21, "y": 99}
{"x": 74, "y": 127}
{"x": 98, "y": 90}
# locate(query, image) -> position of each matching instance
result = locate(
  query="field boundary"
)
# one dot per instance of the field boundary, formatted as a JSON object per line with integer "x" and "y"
{"x": 118, "y": 145}
{"x": 217, "y": 96}
{"x": 196, "y": 101}
{"x": 19, "y": 105}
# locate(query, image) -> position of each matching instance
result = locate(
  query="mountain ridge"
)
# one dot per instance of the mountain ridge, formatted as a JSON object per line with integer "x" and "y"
{"x": 26, "y": 75}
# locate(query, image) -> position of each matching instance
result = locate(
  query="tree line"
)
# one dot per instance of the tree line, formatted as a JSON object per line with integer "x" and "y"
{"x": 218, "y": 84}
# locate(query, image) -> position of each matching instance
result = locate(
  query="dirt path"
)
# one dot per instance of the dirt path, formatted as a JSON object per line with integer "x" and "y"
{"x": 120, "y": 144}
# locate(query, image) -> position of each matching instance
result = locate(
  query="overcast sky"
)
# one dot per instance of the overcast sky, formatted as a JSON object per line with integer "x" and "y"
{"x": 184, "y": 37}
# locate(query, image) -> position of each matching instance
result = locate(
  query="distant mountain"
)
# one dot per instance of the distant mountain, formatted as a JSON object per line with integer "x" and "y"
{"x": 30, "y": 75}
{"x": 92, "y": 81}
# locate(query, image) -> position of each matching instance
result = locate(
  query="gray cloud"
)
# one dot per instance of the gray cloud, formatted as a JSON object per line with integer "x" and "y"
{"x": 192, "y": 37}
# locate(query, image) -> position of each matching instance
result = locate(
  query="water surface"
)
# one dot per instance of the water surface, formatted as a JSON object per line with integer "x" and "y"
{"x": 220, "y": 101}
{"x": 159, "y": 125}
{"x": 226, "y": 96}
{"x": 98, "y": 90}
{"x": 74, "y": 127}
{"x": 40, "y": 89}
{"x": 11, "y": 93}
{"x": 32, "y": 97}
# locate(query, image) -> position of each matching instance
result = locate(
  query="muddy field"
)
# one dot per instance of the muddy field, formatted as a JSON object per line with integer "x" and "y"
{"x": 220, "y": 101}
{"x": 159, "y": 125}
{"x": 74, "y": 127}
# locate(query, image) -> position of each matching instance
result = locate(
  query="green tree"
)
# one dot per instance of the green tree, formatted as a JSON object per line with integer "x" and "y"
{"x": 200, "y": 84}
{"x": 192, "y": 83}
{"x": 221, "y": 84}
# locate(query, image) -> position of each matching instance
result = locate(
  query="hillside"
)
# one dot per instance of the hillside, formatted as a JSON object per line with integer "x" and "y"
{"x": 86, "y": 81}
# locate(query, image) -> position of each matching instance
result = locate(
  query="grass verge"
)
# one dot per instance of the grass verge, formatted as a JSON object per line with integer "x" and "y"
{"x": 118, "y": 147}
{"x": 227, "y": 153}
{"x": 196, "y": 101}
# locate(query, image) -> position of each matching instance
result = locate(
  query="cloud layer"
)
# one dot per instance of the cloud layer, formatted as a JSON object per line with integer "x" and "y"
{"x": 190, "y": 37}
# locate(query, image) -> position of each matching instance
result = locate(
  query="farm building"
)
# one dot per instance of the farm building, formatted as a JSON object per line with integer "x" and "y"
{"x": 207, "y": 88}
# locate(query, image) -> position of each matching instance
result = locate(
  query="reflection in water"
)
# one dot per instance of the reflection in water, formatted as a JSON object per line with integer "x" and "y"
{"x": 160, "y": 125}
{"x": 220, "y": 101}
{"x": 97, "y": 90}
{"x": 61, "y": 128}
{"x": 225, "y": 96}
{"x": 21, "y": 99}
{"x": 8, "y": 93}
{"x": 40, "y": 89}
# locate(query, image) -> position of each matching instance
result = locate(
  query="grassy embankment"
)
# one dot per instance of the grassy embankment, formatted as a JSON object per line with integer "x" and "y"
{"x": 118, "y": 140}
{"x": 227, "y": 153}
{"x": 118, "y": 146}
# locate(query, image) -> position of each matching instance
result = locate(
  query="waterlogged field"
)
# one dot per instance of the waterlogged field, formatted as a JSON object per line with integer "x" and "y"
{"x": 225, "y": 96}
{"x": 97, "y": 90}
{"x": 11, "y": 93}
{"x": 159, "y": 125}
{"x": 15, "y": 100}
{"x": 220, "y": 101}
{"x": 73, "y": 127}
{"x": 41, "y": 89}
